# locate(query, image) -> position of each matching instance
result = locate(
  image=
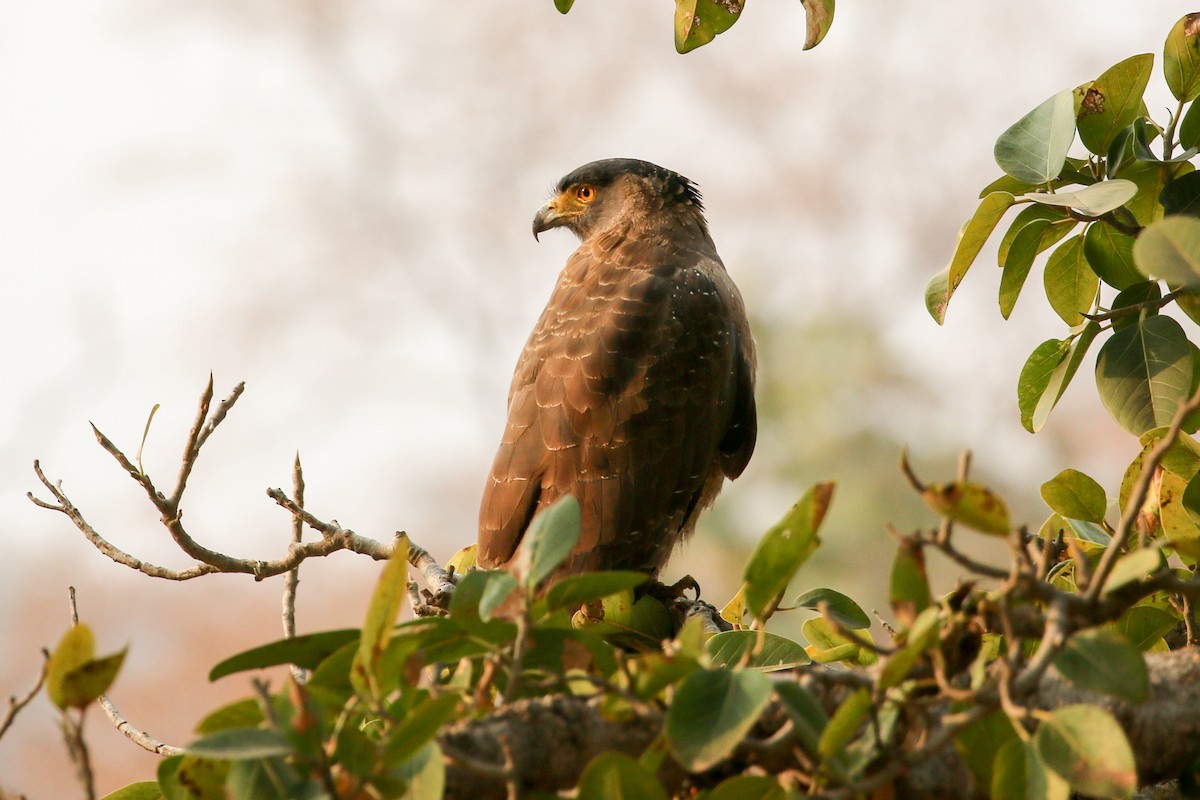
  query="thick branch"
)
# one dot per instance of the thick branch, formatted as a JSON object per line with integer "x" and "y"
{"x": 552, "y": 739}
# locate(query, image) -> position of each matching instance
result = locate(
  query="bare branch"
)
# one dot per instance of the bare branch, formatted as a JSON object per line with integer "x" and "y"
{"x": 135, "y": 735}
{"x": 15, "y": 705}
{"x": 118, "y": 555}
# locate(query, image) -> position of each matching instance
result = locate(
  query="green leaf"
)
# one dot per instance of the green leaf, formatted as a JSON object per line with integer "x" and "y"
{"x": 1133, "y": 567}
{"x": 1035, "y": 148}
{"x": 1138, "y": 293}
{"x": 74, "y": 676}
{"x": 697, "y": 22}
{"x": 563, "y": 6}
{"x": 304, "y": 651}
{"x": 425, "y": 774}
{"x": 1181, "y": 58}
{"x": 749, "y": 787}
{"x": 1189, "y": 128}
{"x": 1085, "y": 746}
{"x": 922, "y": 636}
{"x": 1075, "y": 495}
{"x": 1035, "y": 379}
{"x": 1143, "y": 135}
{"x": 844, "y": 722}
{"x": 713, "y": 710}
{"x": 1144, "y": 372}
{"x": 1109, "y": 253}
{"x": 1150, "y": 178}
{"x": 937, "y": 295}
{"x": 1182, "y": 195}
{"x": 806, "y": 713}
{"x": 244, "y": 713}
{"x": 1170, "y": 250}
{"x": 381, "y": 619}
{"x": 1178, "y": 516}
{"x": 1145, "y": 625}
{"x": 818, "y": 15}
{"x": 1094, "y": 200}
{"x": 616, "y": 776}
{"x": 498, "y": 589}
{"x": 189, "y": 777}
{"x": 241, "y": 743}
{"x": 837, "y": 606}
{"x": 419, "y": 727}
{"x": 570, "y": 592}
{"x": 1020, "y": 774}
{"x": 481, "y": 591}
{"x": 827, "y": 644}
{"x": 971, "y": 238}
{"x": 1113, "y": 101}
{"x": 979, "y": 743}
{"x": 1070, "y": 283}
{"x": 1060, "y": 226}
{"x": 142, "y": 790}
{"x": 1018, "y": 262}
{"x": 76, "y": 648}
{"x": 778, "y": 652}
{"x": 908, "y": 587}
{"x": 1102, "y": 660}
{"x": 550, "y": 538}
{"x": 970, "y": 503}
{"x": 783, "y": 549}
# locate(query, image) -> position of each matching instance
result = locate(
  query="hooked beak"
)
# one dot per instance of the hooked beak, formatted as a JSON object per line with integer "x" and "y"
{"x": 547, "y": 217}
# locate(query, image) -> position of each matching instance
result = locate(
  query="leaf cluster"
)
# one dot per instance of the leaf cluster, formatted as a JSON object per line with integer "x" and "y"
{"x": 1116, "y": 229}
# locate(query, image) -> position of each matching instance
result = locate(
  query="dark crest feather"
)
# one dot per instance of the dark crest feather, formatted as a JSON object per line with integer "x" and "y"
{"x": 605, "y": 171}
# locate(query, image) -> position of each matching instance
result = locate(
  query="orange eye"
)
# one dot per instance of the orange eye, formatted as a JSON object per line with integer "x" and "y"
{"x": 585, "y": 193}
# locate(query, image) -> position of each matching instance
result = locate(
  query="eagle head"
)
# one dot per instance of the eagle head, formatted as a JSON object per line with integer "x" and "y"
{"x": 586, "y": 198}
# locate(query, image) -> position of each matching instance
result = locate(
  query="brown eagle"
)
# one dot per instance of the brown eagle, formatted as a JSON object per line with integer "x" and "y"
{"x": 635, "y": 391}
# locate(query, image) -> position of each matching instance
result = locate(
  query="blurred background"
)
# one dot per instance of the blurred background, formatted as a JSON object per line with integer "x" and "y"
{"x": 332, "y": 202}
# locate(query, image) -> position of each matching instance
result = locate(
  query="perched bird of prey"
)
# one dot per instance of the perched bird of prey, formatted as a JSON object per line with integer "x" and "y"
{"x": 635, "y": 391}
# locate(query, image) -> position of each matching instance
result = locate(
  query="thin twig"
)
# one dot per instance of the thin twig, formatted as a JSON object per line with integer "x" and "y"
{"x": 135, "y": 735}
{"x": 15, "y": 705}
{"x": 291, "y": 580}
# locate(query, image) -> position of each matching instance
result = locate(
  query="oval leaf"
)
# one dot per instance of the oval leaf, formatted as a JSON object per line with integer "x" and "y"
{"x": 972, "y": 504}
{"x": 75, "y": 649}
{"x": 1025, "y": 248}
{"x": 713, "y": 710}
{"x": 783, "y": 549}
{"x": 1094, "y": 200}
{"x": 1103, "y": 660}
{"x": 1181, "y": 58}
{"x": 777, "y": 652}
{"x": 1144, "y": 373}
{"x": 697, "y": 22}
{"x": 1070, "y": 283}
{"x": 551, "y": 537}
{"x": 1075, "y": 495}
{"x": 1170, "y": 250}
{"x": 1113, "y": 101}
{"x": 1109, "y": 253}
{"x": 1085, "y": 746}
{"x": 1035, "y": 148}
{"x": 616, "y": 776}
{"x": 241, "y": 743}
{"x": 304, "y": 651}
{"x": 836, "y": 606}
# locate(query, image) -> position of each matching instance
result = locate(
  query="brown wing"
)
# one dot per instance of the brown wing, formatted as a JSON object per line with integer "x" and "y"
{"x": 635, "y": 395}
